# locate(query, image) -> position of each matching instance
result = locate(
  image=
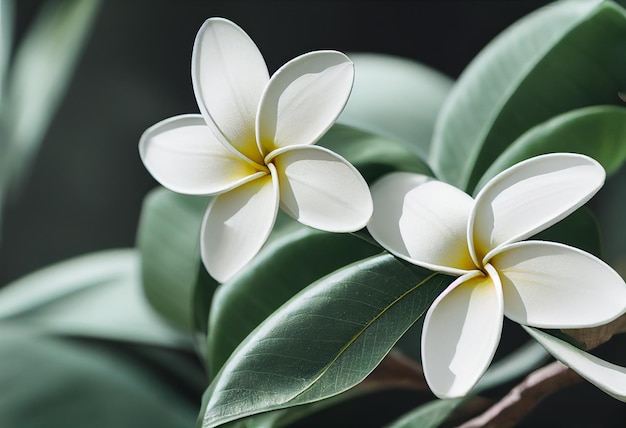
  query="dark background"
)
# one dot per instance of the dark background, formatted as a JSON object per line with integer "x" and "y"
{"x": 85, "y": 190}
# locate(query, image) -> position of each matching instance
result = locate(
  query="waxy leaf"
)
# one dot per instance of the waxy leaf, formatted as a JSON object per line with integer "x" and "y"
{"x": 371, "y": 154}
{"x": 283, "y": 268}
{"x": 395, "y": 98}
{"x": 323, "y": 341}
{"x": 598, "y": 132}
{"x": 562, "y": 57}
{"x": 174, "y": 279}
{"x": 57, "y": 382}
{"x": 97, "y": 296}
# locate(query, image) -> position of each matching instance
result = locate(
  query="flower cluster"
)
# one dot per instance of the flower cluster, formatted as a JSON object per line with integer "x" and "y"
{"x": 252, "y": 147}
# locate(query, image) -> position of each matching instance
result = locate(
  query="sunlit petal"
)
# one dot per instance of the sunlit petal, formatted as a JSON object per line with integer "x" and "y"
{"x": 461, "y": 333}
{"x": 423, "y": 221}
{"x": 556, "y": 286}
{"x": 531, "y": 196}
{"x": 236, "y": 225}
{"x": 229, "y": 75}
{"x": 303, "y": 99}
{"x": 182, "y": 154}
{"x": 610, "y": 378}
{"x": 321, "y": 189}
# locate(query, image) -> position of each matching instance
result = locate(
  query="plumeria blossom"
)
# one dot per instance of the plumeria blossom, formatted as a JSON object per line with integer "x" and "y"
{"x": 482, "y": 241}
{"x": 252, "y": 146}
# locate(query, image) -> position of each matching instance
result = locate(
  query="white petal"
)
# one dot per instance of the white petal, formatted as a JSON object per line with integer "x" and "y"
{"x": 229, "y": 75}
{"x": 531, "y": 196}
{"x": 423, "y": 221}
{"x": 236, "y": 225}
{"x": 182, "y": 154}
{"x": 461, "y": 333}
{"x": 321, "y": 189}
{"x": 303, "y": 99}
{"x": 552, "y": 285}
{"x": 610, "y": 378}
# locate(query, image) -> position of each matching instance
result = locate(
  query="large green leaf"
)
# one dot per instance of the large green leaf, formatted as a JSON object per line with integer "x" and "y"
{"x": 323, "y": 341}
{"x": 38, "y": 78}
{"x": 371, "y": 154}
{"x": 97, "y": 295}
{"x": 281, "y": 270}
{"x": 562, "y": 57}
{"x": 53, "y": 382}
{"x": 598, "y": 132}
{"x": 174, "y": 278}
{"x": 396, "y": 98}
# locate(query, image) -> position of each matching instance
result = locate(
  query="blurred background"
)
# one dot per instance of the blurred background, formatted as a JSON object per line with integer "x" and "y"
{"x": 84, "y": 190}
{"x": 85, "y": 187}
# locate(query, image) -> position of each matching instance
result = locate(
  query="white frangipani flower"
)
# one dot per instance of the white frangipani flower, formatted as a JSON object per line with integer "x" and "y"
{"x": 252, "y": 145}
{"x": 536, "y": 283}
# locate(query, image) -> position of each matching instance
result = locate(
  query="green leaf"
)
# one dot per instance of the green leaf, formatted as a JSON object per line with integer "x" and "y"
{"x": 283, "y": 268}
{"x": 323, "y": 341}
{"x": 598, "y": 132}
{"x": 565, "y": 56}
{"x": 174, "y": 278}
{"x": 396, "y": 98}
{"x": 54, "y": 382}
{"x": 371, "y": 154}
{"x": 40, "y": 73}
{"x": 97, "y": 295}
{"x": 579, "y": 229}
{"x": 429, "y": 415}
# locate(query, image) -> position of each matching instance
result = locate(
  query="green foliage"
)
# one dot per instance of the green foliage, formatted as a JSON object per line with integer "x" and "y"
{"x": 396, "y": 98}
{"x": 598, "y": 132}
{"x": 79, "y": 345}
{"x": 55, "y": 382}
{"x": 567, "y": 56}
{"x": 343, "y": 326}
{"x": 97, "y": 295}
{"x": 37, "y": 79}
{"x": 174, "y": 279}
{"x": 372, "y": 154}
{"x": 279, "y": 272}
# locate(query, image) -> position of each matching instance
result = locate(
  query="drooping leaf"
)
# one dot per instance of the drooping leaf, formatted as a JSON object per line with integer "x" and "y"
{"x": 598, "y": 132}
{"x": 282, "y": 269}
{"x": 324, "y": 340}
{"x": 562, "y": 57}
{"x": 54, "y": 382}
{"x": 97, "y": 295}
{"x": 371, "y": 154}
{"x": 174, "y": 279}
{"x": 395, "y": 98}
{"x": 40, "y": 73}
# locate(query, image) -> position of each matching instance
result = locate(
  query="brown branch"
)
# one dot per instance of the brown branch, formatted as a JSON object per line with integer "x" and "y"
{"x": 512, "y": 408}
{"x": 595, "y": 336}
